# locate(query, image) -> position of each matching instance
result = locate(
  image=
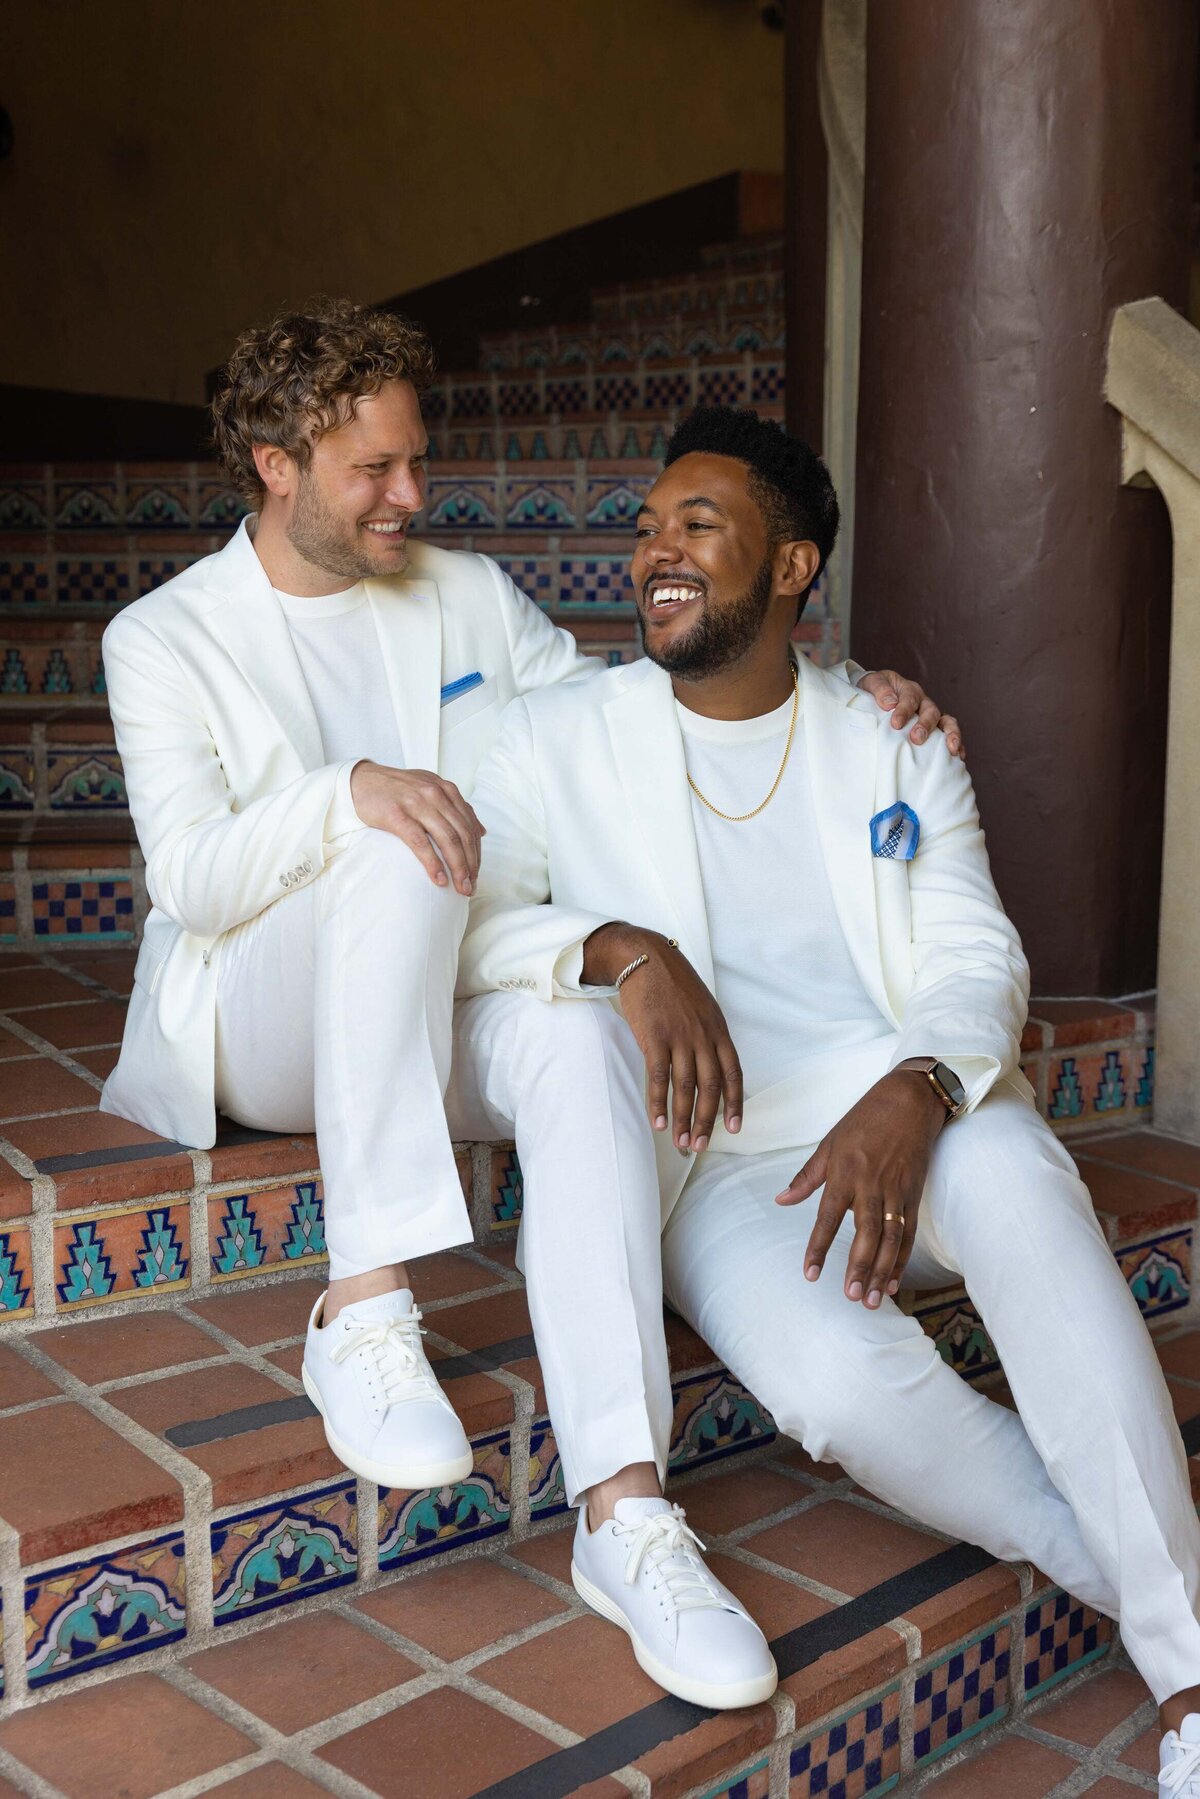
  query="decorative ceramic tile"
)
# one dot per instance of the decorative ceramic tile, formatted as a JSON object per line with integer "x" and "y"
{"x": 471, "y": 399}
{"x": 567, "y": 395}
{"x": 962, "y": 1695}
{"x": 752, "y": 1783}
{"x": 1159, "y": 1271}
{"x": 540, "y": 506}
{"x": 961, "y": 1337}
{"x": 1061, "y": 1635}
{"x": 23, "y": 506}
{"x": 14, "y": 674}
{"x": 715, "y": 1417}
{"x": 16, "y": 1271}
{"x": 611, "y": 505}
{"x": 153, "y": 571}
{"x": 129, "y": 1249}
{"x": 8, "y": 912}
{"x": 508, "y": 1188}
{"x": 721, "y": 387}
{"x": 859, "y": 1754}
{"x": 85, "y": 505}
{"x": 618, "y": 393}
{"x": 615, "y": 349}
{"x": 517, "y": 399}
{"x": 90, "y": 911}
{"x": 1091, "y": 1086}
{"x": 16, "y": 780}
{"x": 536, "y": 576}
{"x": 151, "y": 506}
{"x": 271, "y": 1227}
{"x": 415, "y": 1526}
{"x": 454, "y": 505}
{"x": 219, "y": 507}
{"x": 701, "y": 343}
{"x": 433, "y": 403}
{"x": 547, "y": 1494}
{"x": 86, "y": 779}
{"x": 1143, "y": 1096}
{"x": 92, "y": 581}
{"x": 767, "y": 384}
{"x": 287, "y": 1550}
{"x": 24, "y": 581}
{"x": 86, "y": 1615}
{"x": 596, "y": 581}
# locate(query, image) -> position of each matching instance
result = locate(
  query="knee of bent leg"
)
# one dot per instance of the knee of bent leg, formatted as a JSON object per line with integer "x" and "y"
{"x": 579, "y": 1032}
{"x": 382, "y": 865}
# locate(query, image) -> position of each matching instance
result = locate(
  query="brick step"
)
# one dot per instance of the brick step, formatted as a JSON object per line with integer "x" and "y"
{"x": 591, "y": 345}
{"x": 695, "y": 296}
{"x": 647, "y": 384}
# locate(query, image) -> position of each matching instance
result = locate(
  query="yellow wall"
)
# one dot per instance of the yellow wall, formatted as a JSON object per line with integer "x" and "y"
{"x": 183, "y": 166}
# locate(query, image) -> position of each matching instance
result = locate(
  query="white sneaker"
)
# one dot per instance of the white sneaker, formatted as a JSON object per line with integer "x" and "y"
{"x": 1179, "y": 1761}
{"x": 643, "y": 1571}
{"x": 385, "y": 1415}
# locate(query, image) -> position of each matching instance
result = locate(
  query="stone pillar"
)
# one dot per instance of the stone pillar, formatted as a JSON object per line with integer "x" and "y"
{"x": 1028, "y": 169}
{"x": 805, "y": 212}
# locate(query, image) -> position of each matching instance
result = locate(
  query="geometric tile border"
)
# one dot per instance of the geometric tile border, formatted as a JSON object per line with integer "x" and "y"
{"x": 16, "y": 1271}
{"x": 547, "y": 1495}
{"x": 415, "y": 1526}
{"x": 86, "y": 1615}
{"x": 250, "y": 1230}
{"x": 962, "y": 1695}
{"x": 272, "y": 1554}
{"x": 1061, "y": 1636}
{"x": 858, "y": 1754}
{"x": 715, "y": 1417}
{"x": 102, "y": 1256}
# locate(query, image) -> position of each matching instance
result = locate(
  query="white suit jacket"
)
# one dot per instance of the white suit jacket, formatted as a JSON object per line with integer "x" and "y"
{"x": 228, "y": 785}
{"x": 586, "y": 804}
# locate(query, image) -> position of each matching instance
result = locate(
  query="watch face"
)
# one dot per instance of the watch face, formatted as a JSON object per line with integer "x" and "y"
{"x": 951, "y": 1083}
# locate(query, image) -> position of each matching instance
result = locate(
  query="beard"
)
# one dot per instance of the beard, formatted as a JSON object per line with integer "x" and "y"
{"x": 720, "y": 637}
{"x": 324, "y": 538}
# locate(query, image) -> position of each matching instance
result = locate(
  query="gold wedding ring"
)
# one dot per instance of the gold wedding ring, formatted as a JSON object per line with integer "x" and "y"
{"x": 893, "y": 1217}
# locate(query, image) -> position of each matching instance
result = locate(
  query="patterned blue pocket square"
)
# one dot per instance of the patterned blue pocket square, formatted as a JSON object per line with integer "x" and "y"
{"x": 895, "y": 833}
{"x": 454, "y": 690}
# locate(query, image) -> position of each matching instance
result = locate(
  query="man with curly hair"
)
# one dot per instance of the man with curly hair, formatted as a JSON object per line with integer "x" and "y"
{"x": 299, "y": 717}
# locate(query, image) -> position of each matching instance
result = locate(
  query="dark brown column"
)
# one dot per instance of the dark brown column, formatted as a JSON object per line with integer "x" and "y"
{"x": 806, "y": 201}
{"x": 1027, "y": 170}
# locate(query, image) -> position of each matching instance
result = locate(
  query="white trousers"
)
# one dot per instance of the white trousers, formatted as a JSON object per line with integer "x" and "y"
{"x": 1089, "y": 1482}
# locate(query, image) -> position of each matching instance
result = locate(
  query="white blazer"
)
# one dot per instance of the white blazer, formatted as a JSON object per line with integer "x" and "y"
{"x": 228, "y": 784}
{"x": 586, "y": 804}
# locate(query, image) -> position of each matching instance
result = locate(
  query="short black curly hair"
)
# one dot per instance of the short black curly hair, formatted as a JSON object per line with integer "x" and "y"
{"x": 788, "y": 480}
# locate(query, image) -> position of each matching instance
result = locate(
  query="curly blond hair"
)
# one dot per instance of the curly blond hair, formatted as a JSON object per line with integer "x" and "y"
{"x": 289, "y": 382}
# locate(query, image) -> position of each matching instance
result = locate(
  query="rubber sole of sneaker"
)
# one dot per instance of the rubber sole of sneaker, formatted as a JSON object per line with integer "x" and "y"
{"x": 414, "y": 1476}
{"x": 701, "y": 1692}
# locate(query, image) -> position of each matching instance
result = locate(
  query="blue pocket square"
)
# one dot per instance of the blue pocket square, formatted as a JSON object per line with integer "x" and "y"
{"x": 454, "y": 690}
{"x": 895, "y": 833}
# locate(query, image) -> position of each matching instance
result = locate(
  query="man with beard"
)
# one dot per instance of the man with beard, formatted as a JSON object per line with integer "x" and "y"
{"x": 793, "y": 910}
{"x": 299, "y": 717}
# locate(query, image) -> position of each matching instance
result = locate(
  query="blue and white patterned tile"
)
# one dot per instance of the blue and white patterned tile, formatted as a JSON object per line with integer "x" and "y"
{"x": 715, "y": 1417}
{"x": 25, "y": 581}
{"x": 547, "y": 1494}
{"x": 86, "y": 780}
{"x": 92, "y": 581}
{"x": 856, "y": 1756}
{"x": 1061, "y": 1636}
{"x": 1159, "y": 1271}
{"x": 416, "y": 1526}
{"x": 540, "y": 506}
{"x": 286, "y": 1550}
{"x": 85, "y": 1615}
{"x": 88, "y": 911}
{"x": 86, "y": 505}
{"x": 962, "y": 1695}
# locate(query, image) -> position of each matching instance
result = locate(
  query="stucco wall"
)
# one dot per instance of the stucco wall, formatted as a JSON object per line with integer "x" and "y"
{"x": 180, "y": 169}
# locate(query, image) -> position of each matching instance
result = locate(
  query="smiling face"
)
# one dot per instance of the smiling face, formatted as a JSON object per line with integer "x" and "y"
{"x": 348, "y": 513}
{"x": 703, "y": 569}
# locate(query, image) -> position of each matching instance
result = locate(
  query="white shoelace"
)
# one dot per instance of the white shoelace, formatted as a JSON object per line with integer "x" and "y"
{"x": 395, "y": 1345}
{"x": 670, "y": 1546}
{"x": 1177, "y": 1778}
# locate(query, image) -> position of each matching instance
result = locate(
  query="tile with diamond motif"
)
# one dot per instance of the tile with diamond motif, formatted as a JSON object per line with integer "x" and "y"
{"x": 121, "y": 1251}
{"x": 715, "y": 1416}
{"x": 1159, "y": 1271}
{"x": 960, "y": 1334}
{"x": 86, "y": 910}
{"x": 858, "y": 1755}
{"x": 86, "y": 1615}
{"x": 268, "y": 1227}
{"x": 16, "y": 1271}
{"x": 89, "y": 779}
{"x": 415, "y": 1526}
{"x": 1061, "y": 1636}
{"x": 289, "y": 1549}
{"x": 508, "y": 1188}
{"x": 1092, "y": 1087}
{"x": 963, "y": 1695}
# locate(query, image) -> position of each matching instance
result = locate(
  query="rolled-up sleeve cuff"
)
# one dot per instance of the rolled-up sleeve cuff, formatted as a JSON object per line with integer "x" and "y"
{"x": 566, "y": 980}
{"x": 342, "y": 819}
{"x": 978, "y": 1074}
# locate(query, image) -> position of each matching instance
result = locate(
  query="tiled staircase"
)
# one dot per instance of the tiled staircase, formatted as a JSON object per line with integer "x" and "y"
{"x": 205, "y": 1594}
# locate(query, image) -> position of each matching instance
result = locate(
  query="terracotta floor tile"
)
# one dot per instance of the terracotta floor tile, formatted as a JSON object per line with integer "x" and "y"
{"x": 289, "y": 1359}
{"x": 12, "y": 1045}
{"x": 16, "y": 1193}
{"x": 99, "y": 1062}
{"x": 40, "y": 986}
{"x": 274, "y": 1780}
{"x": 1137, "y": 1201}
{"x": 844, "y": 1546}
{"x": 1142, "y": 1753}
{"x": 113, "y": 968}
{"x": 582, "y": 1675}
{"x": 1093, "y": 1709}
{"x": 112, "y": 1348}
{"x": 1107, "y": 1789}
{"x": 455, "y": 1611}
{"x": 101, "y": 1183}
{"x": 250, "y": 1464}
{"x": 77, "y": 1134}
{"x": 700, "y": 1755}
{"x": 726, "y": 1502}
{"x": 528, "y": 1368}
{"x": 788, "y": 1452}
{"x": 550, "y": 1554}
{"x": 836, "y": 1680}
{"x": 1083, "y": 1020}
{"x": 967, "y": 1606}
{"x": 447, "y": 1276}
{"x": 68, "y": 1481}
{"x": 776, "y": 1605}
{"x": 77, "y": 1027}
{"x": 40, "y": 1085}
{"x": 1180, "y": 1355}
{"x": 504, "y": 1254}
{"x": 686, "y": 1350}
{"x": 304, "y": 1671}
{"x": 445, "y": 1745}
{"x": 255, "y": 1161}
{"x": 1012, "y": 1769}
{"x": 482, "y": 1403}
{"x": 8, "y": 1790}
{"x": 481, "y": 1322}
{"x": 1186, "y": 1400}
{"x": 133, "y": 1737}
{"x": 263, "y": 1314}
{"x": 1149, "y": 1151}
{"x": 19, "y": 1383}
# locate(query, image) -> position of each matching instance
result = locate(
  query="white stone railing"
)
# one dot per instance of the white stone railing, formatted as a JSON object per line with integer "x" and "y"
{"x": 1153, "y": 381}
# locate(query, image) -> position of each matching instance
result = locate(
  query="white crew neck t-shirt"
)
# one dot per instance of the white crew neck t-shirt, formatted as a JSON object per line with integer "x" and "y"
{"x": 338, "y": 649}
{"x": 783, "y": 974}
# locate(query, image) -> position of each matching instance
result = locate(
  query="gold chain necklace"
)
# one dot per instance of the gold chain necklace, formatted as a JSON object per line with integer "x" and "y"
{"x": 739, "y": 818}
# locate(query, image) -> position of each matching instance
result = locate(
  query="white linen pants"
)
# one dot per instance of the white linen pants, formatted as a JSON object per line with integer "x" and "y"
{"x": 335, "y": 1012}
{"x": 1090, "y": 1482}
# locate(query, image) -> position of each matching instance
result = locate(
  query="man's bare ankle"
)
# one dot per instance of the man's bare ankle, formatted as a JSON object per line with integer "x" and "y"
{"x": 353, "y": 1287}
{"x": 639, "y": 1481}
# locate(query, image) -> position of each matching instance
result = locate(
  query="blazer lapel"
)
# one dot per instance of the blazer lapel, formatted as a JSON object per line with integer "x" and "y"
{"x": 252, "y": 626}
{"x": 841, "y": 745}
{"x": 647, "y": 746}
{"x": 408, "y": 623}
